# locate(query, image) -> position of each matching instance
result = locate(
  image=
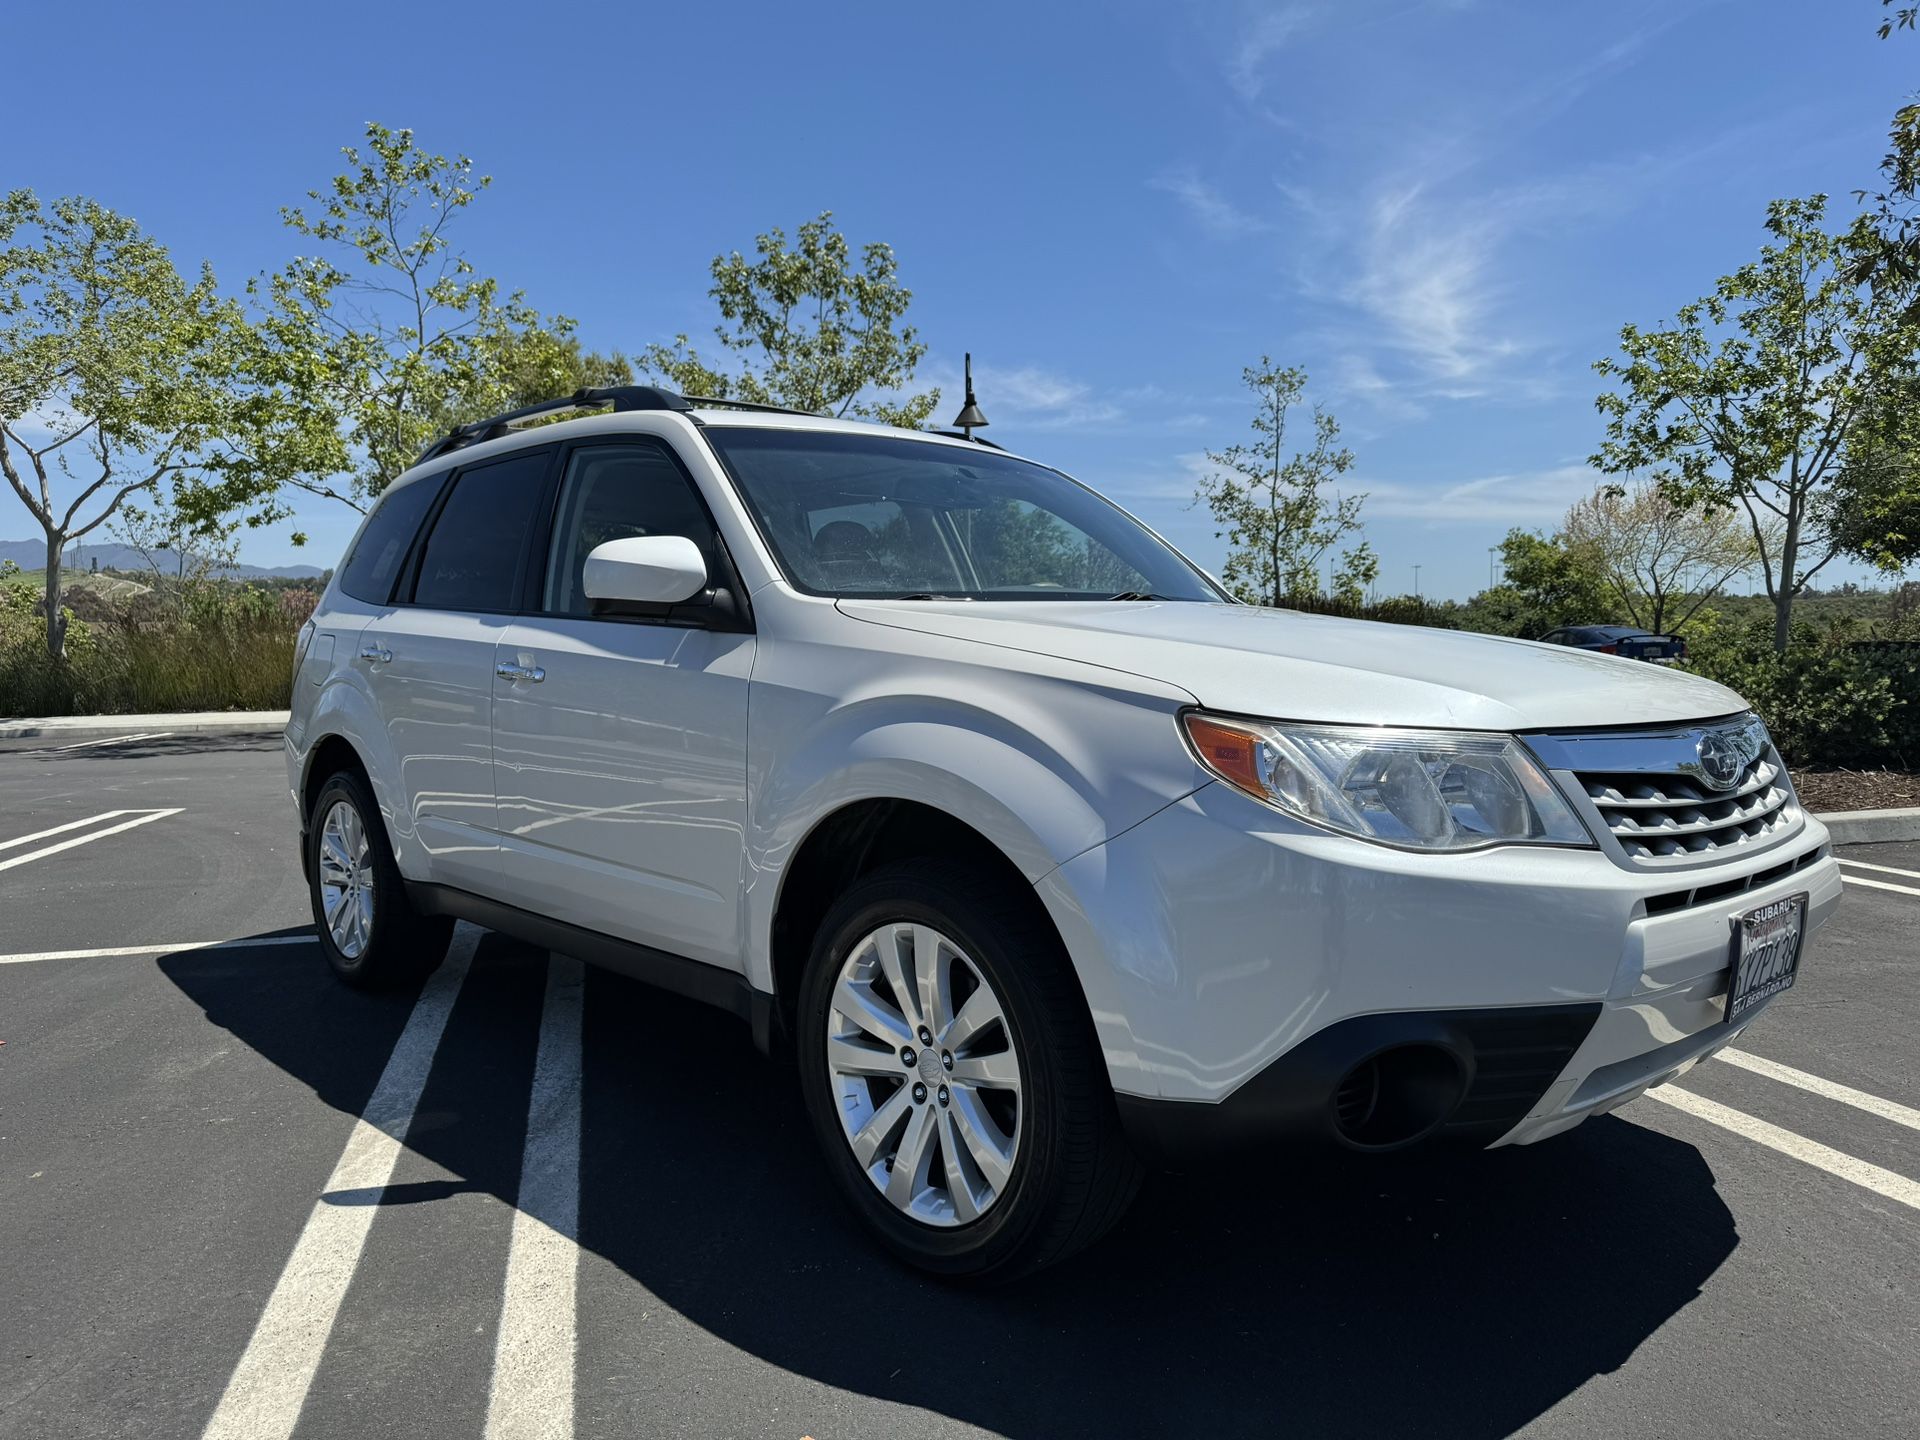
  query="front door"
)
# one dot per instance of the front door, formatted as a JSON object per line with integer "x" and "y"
{"x": 620, "y": 745}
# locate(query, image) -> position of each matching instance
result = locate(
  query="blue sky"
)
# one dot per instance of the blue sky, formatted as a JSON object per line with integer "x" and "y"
{"x": 1443, "y": 211}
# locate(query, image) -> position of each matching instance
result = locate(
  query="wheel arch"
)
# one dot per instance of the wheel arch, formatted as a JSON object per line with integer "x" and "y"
{"x": 854, "y": 839}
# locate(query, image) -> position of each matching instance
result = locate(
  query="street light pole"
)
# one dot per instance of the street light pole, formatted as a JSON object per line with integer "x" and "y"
{"x": 1416, "y": 582}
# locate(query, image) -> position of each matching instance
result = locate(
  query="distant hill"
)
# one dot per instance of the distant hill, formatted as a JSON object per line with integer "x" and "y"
{"x": 32, "y": 555}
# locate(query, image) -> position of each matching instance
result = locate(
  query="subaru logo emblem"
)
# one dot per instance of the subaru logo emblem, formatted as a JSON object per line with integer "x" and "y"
{"x": 1724, "y": 757}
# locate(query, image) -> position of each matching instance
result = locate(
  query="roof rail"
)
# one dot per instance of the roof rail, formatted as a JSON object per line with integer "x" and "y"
{"x": 619, "y": 397}
{"x": 719, "y": 402}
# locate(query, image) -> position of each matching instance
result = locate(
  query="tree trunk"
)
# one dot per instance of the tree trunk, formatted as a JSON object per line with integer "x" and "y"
{"x": 1783, "y": 592}
{"x": 56, "y": 617}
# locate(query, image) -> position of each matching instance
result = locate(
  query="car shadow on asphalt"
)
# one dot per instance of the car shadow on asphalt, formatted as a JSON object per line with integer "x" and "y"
{"x": 159, "y": 746}
{"x": 1444, "y": 1294}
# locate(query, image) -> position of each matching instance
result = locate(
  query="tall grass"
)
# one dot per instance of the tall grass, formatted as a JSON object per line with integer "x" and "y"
{"x": 146, "y": 671}
{"x": 221, "y": 649}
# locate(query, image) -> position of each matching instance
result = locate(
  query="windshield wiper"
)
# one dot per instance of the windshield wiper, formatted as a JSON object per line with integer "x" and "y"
{"x": 926, "y": 596}
{"x": 1136, "y": 595}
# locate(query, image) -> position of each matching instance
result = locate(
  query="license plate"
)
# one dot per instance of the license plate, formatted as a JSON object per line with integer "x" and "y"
{"x": 1766, "y": 953}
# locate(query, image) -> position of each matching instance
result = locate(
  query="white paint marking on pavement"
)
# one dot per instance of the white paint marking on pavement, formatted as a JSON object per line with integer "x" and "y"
{"x": 269, "y": 1387}
{"x": 533, "y": 1360}
{"x": 140, "y": 818}
{"x": 1883, "y": 869}
{"x": 1811, "y": 1152}
{"x": 110, "y": 740}
{"x": 29, "y": 956}
{"x": 63, "y": 829}
{"x": 1881, "y": 885}
{"x": 1832, "y": 1089}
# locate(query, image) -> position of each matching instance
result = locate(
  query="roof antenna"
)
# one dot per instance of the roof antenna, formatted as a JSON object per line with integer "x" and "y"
{"x": 970, "y": 419}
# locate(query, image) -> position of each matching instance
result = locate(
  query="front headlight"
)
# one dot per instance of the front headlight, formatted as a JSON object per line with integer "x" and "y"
{"x": 1421, "y": 789}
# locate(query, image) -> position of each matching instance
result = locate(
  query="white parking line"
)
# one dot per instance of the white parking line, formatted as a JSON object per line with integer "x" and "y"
{"x": 29, "y": 956}
{"x": 1831, "y": 1089}
{"x": 1811, "y": 1152}
{"x": 62, "y": 829}
{"x": 110, "y": 740}
{"x": 269, "y": 1385}
{"x": 1881, "y": 884}
{"x": 140, "y": 818}
{"x": 532, "y": 1392}
{"x": 1883, "y": 869}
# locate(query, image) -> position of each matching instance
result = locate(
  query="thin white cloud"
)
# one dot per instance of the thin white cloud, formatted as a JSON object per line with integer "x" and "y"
{"x": 1426, "y": 275}
{"x": 1263, "y": 35}
{"x": 1425, "y": 270}
{"x": 1530, "y": 497}
{"x": 1213, "y": 211}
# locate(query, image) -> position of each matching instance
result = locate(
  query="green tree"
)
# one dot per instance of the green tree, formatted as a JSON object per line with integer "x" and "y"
{"x": 1756, "y": 392}
{"x": 811, "y": 331}
{"x": 389, "y": 335}
{"x": 1895, "y": 262}
{"x": 1278, "y": 513}
{"x": 1876, "y": 511}
{"x": 546, "y": 363}
{"x": 1548, "y": 582}
{"x": 117, "y": 374}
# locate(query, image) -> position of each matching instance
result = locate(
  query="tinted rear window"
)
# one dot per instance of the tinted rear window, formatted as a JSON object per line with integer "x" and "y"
{"x": 369, "y": 572}
{"x": 472, "y": 556}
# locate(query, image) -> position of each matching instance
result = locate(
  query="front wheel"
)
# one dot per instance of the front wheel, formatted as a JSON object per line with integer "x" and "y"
{"x": 370, "y": 933}
{"x": 951, "y": 1073}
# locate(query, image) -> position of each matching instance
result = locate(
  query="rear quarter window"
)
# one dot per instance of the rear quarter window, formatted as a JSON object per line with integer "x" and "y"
{"x": 369, "y": 572}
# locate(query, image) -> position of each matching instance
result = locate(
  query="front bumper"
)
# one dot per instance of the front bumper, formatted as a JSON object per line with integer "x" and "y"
{"x": 1237, "y": 964}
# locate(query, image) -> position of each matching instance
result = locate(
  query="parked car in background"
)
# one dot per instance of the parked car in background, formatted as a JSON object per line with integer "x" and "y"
{"x": 1619, "y": 640}
{"x": 1037, "y": 854}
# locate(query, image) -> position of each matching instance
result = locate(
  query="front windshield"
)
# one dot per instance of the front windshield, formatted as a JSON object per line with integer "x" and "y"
{"x": 879, "y": 515}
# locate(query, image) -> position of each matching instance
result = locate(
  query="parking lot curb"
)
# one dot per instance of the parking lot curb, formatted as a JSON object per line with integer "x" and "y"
{"x": 1872, "y": 827}
{"x": 205, "y": 722}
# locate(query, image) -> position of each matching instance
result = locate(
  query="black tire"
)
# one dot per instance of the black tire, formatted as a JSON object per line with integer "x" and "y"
{"x": 404, "y": 945}
{"x": 1073, "y": 1175}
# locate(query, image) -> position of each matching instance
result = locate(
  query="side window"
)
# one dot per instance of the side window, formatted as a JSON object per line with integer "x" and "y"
{"x": 472, "y": 556}
{"x": 1554, "y": 637}
{"x": 370, "y": 571}
{"x": 614, "y": 492}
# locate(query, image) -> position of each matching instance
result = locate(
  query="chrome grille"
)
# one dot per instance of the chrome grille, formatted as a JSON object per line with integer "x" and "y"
{"x": 1672, "y": 797}
{"x": 1658, "y": 817}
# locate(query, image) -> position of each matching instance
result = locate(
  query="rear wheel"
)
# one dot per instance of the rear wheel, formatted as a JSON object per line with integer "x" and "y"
{"x": 952, "y": 1077}
{"x": 369, "y": 932}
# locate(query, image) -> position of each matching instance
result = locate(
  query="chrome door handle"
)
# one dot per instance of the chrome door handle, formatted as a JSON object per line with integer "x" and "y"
{"x": 532, "y": 674}
{"x": 375, "y": 653}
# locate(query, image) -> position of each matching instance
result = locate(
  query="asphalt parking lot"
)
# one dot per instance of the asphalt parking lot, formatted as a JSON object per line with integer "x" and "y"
{"x": 199, "y": 1234}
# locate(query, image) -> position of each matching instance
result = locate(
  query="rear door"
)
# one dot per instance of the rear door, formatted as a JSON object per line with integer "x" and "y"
{"x": 620, "y": 744}
{"x": 429, "y": 659}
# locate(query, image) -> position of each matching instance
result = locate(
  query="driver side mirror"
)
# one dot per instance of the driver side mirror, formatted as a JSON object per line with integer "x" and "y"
{"x": 643, "y": 570}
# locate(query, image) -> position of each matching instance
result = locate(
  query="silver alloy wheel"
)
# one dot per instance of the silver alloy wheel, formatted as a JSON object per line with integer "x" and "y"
{"x": 923, "y": 1065}
{"x": 346, "y": 879}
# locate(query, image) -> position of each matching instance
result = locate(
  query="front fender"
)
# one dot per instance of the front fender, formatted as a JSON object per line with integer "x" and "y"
{"x": 1043, "y": 767}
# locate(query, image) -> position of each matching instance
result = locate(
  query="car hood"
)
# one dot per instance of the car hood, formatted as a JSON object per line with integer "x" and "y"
{"x": 1288, "y": 665}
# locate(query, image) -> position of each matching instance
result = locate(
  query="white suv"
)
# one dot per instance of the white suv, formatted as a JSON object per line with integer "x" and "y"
{"x": 1038, "y": 854}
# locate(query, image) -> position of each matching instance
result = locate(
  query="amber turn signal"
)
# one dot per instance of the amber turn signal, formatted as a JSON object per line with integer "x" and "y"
{"x": 1228, "y": 751}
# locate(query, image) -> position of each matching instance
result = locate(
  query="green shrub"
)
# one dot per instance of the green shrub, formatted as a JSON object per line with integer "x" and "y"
{"x": 1825, "y": 701}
